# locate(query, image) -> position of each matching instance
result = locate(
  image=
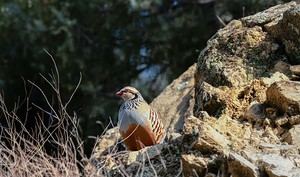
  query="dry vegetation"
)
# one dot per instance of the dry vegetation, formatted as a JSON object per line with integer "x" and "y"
{"x": 23, "y": 152}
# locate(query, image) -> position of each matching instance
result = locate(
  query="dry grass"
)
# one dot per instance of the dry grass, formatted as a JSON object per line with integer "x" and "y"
{"x": 23, "y": 152}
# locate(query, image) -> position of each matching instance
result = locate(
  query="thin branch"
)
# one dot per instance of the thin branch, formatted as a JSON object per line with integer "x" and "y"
{"x": 45, "y": 97}
{"x": 55, "y": 66}
{"x": 74, "y": 91}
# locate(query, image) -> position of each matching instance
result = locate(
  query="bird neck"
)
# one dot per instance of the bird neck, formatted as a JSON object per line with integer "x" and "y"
{"x": 137, "y": 97}
{"x": 134, "y": 102}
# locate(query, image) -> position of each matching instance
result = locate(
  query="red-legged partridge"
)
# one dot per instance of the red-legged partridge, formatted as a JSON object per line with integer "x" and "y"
{"x": 139, "y": 124}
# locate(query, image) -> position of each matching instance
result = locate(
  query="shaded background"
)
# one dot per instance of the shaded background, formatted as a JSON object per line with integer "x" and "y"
{"x": 144, "y": 43}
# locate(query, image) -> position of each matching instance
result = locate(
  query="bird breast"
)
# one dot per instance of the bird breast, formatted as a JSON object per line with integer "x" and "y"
{"x": 133, "y": 116}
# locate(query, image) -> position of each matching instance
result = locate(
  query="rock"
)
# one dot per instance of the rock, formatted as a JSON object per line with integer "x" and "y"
{"x": 285, "y": 95}
{"x": 294, "y": 119}
{"x": 193, "y": 166}
{"x": 271, "y": 112}
{"x": 211, "y": 141}
{"x": 191, "y": 126}
{"x": 239, "y": 166}
{"x": 255, "y": 112}
{"x": 275, "y": 77}
{"x": 274, "y": 164}
{"x": 144, "y": 154}
{"x": 250, "y": 154}
{"x": 238, "y": 54}
{"x": 210, "y": 175}
{"x": 266, "y": 16}
{"x": 203, "y": 115}
{"x": 295, "y": 69}
{"x": 293, "y": 135}
{"x": 255, "y": 91}
{"x": 106, "y": 143}
{"x": 244, "y": 46}
{"x": 266, "y": 122}
{"x": 175, "y": 137}
{"x": 286, "y": 29}
{"x": 281, "y": 121}
{"x": 295, "y": 78}
{"x": 235, "y": 56}
{"x": 277, "y": 166}
{"x": 176, "y": 101}
{"x": 276, "y": 148}
{"x": 290, "y": 35}
{"x": 206, "y": 138}
{"x": 282, "y": 67}
{"x": 270, "y": 135}
{"x": 209, "y": 99}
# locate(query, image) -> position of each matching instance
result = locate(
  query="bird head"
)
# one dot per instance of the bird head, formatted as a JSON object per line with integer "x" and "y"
{"x": 128, "y": 93}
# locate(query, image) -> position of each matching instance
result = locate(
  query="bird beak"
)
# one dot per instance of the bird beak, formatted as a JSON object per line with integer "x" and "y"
{"x": 119, "y": 93}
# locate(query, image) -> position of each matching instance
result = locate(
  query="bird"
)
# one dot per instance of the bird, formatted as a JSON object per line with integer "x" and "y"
{"x": 139, "y": 125}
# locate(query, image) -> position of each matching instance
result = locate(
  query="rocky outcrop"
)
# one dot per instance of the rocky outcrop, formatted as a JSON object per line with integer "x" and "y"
{"x": 239, "y": 166}
{"x": 286, "y": 29}
{"x": 193, "y": 166}
{"x": 176, "y": 102}
{"x": 234, "y": 113}
{"x": 208, "y": 139}
{"x": 293, "y": 135}
{"x": 285, "y": 95}
{"x": 295, "y": 69}
{"x": 278, "y": 166}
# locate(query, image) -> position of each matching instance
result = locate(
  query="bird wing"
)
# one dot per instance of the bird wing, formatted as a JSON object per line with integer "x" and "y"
{"x": 157, "y": 126}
